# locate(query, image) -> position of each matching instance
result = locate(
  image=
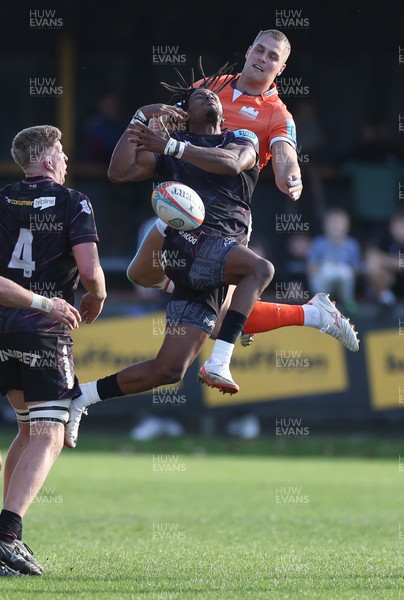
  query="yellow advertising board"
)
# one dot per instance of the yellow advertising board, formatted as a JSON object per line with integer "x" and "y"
{"x": 285, "y": 363}
{"x": 111, "y": 344}
{"x": 385, "y": 368}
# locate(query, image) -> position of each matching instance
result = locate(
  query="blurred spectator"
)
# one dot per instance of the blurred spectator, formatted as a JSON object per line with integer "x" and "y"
{"x": 116, "y": 209}
{"x": 335, "y": 259}
{"x": 104, "y": 127}
{"x": 245, "y": 426}
{"x": 374, "y": 167}
{"x": 384, "y": 263}
{"x": 293, "y": 264}
{"x": 150, "y": 427}
{"x": 312, "y": 149}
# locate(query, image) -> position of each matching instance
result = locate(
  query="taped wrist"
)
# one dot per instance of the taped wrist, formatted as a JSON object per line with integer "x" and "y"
{"x": 139, "y": 116}
{"x": 174, "y": 148}
{"x": 41, "y": 303}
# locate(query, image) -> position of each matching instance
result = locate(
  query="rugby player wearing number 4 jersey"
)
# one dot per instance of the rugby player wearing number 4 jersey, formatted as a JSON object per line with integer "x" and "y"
{"x": 57, "y": 309}
{"x": 48, "y": 240}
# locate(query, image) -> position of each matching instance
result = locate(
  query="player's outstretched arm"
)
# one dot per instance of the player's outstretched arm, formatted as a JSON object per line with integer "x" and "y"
{"x": 57, "y": 309}
{"x": 286, "y": 169}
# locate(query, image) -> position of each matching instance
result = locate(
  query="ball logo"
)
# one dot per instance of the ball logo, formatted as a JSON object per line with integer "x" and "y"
{"x": 181, "y": 191}
{"x": 176, "y": 223}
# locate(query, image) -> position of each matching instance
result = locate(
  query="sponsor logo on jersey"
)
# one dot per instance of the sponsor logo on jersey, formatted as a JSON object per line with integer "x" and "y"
{"x": 44, "y": 202}
{"x": 270, "y": 92}
{"x": 86, "y": 207}
{"x": 246, "y": 134}
{"x": 188, "y": 236}
{"x": 27, "y": 358}
{"x": 249, "y": 112}
{"x": 20, "y": 202}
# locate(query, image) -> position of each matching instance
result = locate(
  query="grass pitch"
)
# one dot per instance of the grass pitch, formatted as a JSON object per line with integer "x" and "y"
{"x": 196, "y": 524}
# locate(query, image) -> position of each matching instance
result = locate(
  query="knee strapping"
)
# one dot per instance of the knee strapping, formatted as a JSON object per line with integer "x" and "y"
{"x": 56, "y": 411}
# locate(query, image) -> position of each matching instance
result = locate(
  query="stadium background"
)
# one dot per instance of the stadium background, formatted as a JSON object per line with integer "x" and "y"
{"x": 349, "y": 61}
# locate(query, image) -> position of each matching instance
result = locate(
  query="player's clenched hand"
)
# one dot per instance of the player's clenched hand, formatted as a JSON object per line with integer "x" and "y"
{"x": 295, "y": 187}
{"x": 145, "y": 138}
{"x": 90, "y": 307}
{"x": 63, "y": 312}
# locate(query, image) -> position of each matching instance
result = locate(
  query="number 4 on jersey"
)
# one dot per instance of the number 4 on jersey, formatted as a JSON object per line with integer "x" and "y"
{"x": 22, "y": 253}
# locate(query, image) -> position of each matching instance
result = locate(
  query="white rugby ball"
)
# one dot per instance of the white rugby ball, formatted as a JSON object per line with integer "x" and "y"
{"x": 178, "y": 205}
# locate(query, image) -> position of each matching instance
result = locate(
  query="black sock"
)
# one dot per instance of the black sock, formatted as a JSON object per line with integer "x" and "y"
{"x": 19, "y": 536}
{"x": 108, "y": 387}
{"x": 232, "y": 326}
{"x": 10, "y": 525}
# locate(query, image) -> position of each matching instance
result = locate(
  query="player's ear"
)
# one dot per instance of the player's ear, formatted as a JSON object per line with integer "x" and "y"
{"x": 283, "y": 67}
{"x": 248, "y": 51}
{"x": 48, "y": 163}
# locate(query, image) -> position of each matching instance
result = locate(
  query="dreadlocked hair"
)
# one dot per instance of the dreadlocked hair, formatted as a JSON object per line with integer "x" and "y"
{"x": 182, "y": 90}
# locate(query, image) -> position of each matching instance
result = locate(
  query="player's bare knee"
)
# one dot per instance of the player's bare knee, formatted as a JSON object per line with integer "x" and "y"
{"x": 171, "y": 373}
{"x": 264, "y": 271}
{"x": 49, "y": 435}
{"x": 23, "y": 434}
{"x": 134, "y": 276}
{"x": 145, "y": 280}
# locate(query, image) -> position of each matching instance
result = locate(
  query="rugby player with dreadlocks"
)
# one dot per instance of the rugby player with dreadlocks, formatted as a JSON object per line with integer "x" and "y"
{"x": 222, "y": 167}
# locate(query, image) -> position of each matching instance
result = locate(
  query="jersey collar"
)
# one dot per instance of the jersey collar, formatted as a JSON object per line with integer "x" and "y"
{"x": 271, "y": 91}
{"x": 37, "y": 179}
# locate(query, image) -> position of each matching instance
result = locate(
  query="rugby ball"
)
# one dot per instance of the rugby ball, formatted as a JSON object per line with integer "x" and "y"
{"x": 178, "y": 205}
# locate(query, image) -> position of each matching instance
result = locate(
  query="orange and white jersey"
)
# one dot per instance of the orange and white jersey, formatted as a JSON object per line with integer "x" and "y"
{"x": 266, "y": 115}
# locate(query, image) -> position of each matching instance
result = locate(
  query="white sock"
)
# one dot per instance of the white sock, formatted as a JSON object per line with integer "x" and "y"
{"x": 88, "y": 396}
{"x": 222, "y": 351}
{"x": 311, "y": 316}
